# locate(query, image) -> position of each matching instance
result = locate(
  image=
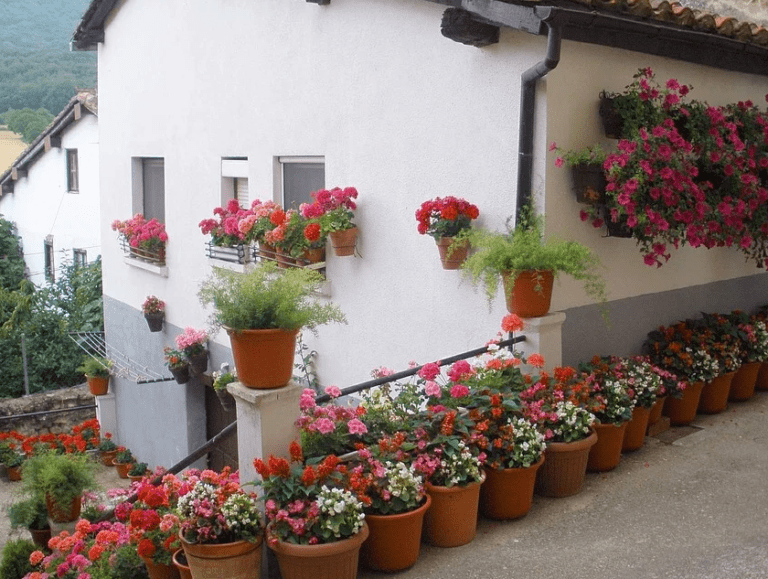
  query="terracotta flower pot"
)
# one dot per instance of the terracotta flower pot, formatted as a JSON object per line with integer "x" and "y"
{"x": 97, "y": 385}
{"x": 337, "y": 560}
{"x": 682, "y": 411}
{"x": 605, "y": 455}
{"x": 451, "y": 521}
{"x": 508, "y": 493}
{"x": 263, "y": 358}
{"x": 452, "y": 258}
{"x": 762, "y": 378}
{"x": 184, "y": 571}
{"x": 344, "y": 241}
{"x": 656, "y": 409}
{"x": 529, "y": 294}
{"x": 155, "y": 321}
{"x": 284, "y": 260}
{"x": 744, "y": 382}
{"x": 63, "y": 513}
{"x": 714, "y": 395}
{"x": 565, "y": 467}
{"x": 181, "y": 373}
{"x": 108, "y": 457}
{"x": 123, "y": 468}
{"x": 14, "y": 473}
{"x": 634, "y": 435}
{"x": 238, "y": 560}
{"x": 312, "y": 255}
{"x": 40, "y": 537}
{"x": 160, "y": 571}
{"x": 394, "y": 541}
{"x": 267, "y": 252}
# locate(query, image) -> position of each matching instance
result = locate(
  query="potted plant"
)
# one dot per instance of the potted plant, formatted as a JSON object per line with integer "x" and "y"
{"x": 59, "y": 480}
{"x": 32, "y": 514}
{"x": 108, "y": 449}
{"x": 334, "y": 209}
{"x": 96, "y": 370}
{"x": 123, "y": 461}
{"x": 448, "y": 220}
{"x": 177, "y": 364}
{"x": 262, "y": 313}
{"x": 12, "y": 459}
{"x": 220, "y": 380}
{"x": 192, "y": 343}
{"x": 138, "y": 471}
{"x": 753, "y": 347}
{"x": 325, "y": 525}
{"x": 587, "y": 174}
{"x": 228, "y": 242}
{"x": 153, "y": 309}
{"x": 527, "y": 265}
{"x": 219, "y": 524}
{"x": 643, "y": 385}
{"x": 142, "y": 238}
{"x": 264, "y": 218}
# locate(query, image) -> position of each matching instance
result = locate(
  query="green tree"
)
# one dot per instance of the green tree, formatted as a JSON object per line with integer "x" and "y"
{"x": 11, "y": 262}
{"x": 27, "y": 122}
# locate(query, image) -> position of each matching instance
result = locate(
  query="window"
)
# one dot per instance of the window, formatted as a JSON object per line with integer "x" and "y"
{"x": 234, "y": 181}
{"x": 50, "y": 268}
{"x": 72, "y": 171}
{"x": 149, "y": 187}
{"x": 297, "y": 178}
{"x": 80, "y": 257}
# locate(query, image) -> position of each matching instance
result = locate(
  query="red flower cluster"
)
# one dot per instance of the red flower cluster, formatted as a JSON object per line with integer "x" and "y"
{"x": 445, "y": 217}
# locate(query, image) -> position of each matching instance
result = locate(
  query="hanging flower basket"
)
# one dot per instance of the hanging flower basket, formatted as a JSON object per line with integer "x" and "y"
{"x": 613, "y": 124}
{"x": 589, "y": 183}
{"x": 181, "y": 373}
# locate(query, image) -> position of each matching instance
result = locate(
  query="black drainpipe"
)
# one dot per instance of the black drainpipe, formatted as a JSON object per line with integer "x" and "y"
{"x": 528, "y": 113}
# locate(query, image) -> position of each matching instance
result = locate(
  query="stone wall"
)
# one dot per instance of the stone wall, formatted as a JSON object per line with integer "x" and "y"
{"x": 51, "y": 400}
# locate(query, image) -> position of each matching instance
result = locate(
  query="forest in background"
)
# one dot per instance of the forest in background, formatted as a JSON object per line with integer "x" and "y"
{"x": 37, "y": 69}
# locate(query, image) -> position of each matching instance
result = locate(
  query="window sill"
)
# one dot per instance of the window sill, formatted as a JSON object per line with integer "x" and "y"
{"x": 161, "y": 270}
{"x": 230, "y": 265}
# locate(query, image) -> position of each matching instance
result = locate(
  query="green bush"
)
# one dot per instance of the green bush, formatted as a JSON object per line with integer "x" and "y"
{"x": 15, "y": 562}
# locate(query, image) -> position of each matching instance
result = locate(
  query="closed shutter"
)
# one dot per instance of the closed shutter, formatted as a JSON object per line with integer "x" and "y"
{"x": 241, "y": 192}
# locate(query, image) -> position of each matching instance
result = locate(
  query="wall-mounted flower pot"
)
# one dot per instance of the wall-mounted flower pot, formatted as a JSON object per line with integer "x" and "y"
{"x": 155, "y": 321}
{"x": 97, "y": 385}
{"x": 267, "y": 252}
{"x": 615, "y": 229}
{"x": 344, "y": 241}
{"x": 198, "y": 363}
{"x": 613, "y": 124}
{"x": 181, "y": 373}
{"x": 589, "y": 183}
{"x": 452, "y": 257}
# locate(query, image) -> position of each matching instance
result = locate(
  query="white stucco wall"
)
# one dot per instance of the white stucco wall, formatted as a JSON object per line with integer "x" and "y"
{"x": 41, "y": 205}
{"x": 399, "y": 112}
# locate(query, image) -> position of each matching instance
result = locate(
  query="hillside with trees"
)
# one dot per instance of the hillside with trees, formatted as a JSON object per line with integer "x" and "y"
{"x": 36, "y": 66}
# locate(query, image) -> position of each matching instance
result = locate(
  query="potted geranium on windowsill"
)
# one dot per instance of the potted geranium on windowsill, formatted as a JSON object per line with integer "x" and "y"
{"x": 448, "y": 220}
{"x": 334, "y": 209}
{"x": 153, "y": 309}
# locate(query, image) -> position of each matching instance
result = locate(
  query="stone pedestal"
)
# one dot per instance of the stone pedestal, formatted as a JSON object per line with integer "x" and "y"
{"x": 265, "y": 423}
{"x": 544, "y": 336}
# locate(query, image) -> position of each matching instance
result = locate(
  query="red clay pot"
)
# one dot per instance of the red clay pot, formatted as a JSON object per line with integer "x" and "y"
{"x": 14, "y": 473}
{"x": 744, "y": 382}
{"x": 508, "y": 493}
{"x": 714, "y": 395}
{"x": 565, "y": 467}
{"x": 522, "y": 296}
{"x": 108, "y": 457}
{"x": 344, "y": 241}
{"x": 184, "y": 572}
{"x": 634, "y": 436}
{"x": 452, "y": 258}
{"x": 263, "y": 358}
{"x": 336, "y": 560}
{"x": 40, "y": 537}
{"x": 762, "y": 378}
{"x": 237, "y": 560}
{"x": 682, "y": 411}
{"x": 451, "y": 521}
{"x": 97, "y": 385}
{"x": 656, "y": 409}
{"x": 605, "y": 455}
{"x": 63, "y": 513}
{"x": 123, "y": 468}
{"x": 394, "y": 541}
{"x": 160, "y": 571}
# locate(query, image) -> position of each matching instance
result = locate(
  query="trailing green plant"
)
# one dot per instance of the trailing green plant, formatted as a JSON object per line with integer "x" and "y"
{"x": 15, "y": 564}
{"x": 29, "y": 513}
{"x": 95, "y": 367}
{"x": 63, "y": 477}
{"x": 523, "y": 248}
{"x": 267, "y": 298}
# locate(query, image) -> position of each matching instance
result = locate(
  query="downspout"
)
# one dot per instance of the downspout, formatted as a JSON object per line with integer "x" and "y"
{"x": 528, "y": 114}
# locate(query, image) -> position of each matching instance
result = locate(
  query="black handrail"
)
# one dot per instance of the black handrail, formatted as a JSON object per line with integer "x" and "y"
{"x": 412, "y": 371}
{"x": 44, "y": 412}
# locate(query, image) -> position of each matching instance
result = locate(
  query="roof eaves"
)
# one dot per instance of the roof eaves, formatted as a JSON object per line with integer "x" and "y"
{"x": 90, "y": 29}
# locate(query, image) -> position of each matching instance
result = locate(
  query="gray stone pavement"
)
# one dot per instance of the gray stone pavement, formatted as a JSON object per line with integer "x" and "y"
{"x": 691, "y": 504}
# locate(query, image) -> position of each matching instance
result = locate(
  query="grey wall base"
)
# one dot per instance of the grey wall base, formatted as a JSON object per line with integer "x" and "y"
{"x": 586, "y": 334}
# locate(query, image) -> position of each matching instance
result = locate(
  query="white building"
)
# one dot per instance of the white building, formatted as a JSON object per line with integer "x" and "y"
{"x": 371, "y": 94}
{"x": 51, "y": 192}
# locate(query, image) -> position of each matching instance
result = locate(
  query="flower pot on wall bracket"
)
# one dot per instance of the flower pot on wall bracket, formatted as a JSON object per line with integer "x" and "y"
{"x": 198, "y": 363}
{"x": 613, "y": 124}
{"x": 155, "y": 321}
{"x": 344, "y": 241}
{"x": 181, "y": 373}
{"x": 452, "y": 257}
{"x": 616, "y": 229}
{"x": 589, "y": 183}
{"x": 530, "y": 293}
{"x": 234, "y": 254}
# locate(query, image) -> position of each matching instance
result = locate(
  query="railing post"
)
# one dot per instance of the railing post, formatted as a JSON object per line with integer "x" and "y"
{"x": 544, "y": 336}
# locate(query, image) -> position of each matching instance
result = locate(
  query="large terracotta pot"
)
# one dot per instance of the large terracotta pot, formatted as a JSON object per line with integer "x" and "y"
{"x": 394, "y": 541}
{"x": 744, "y": 382}
{"x": 529, "y": 294}
{"x": 263, "y": 358}
{"x": 508, "y": 493}
{"x": 451, "y": 521}
{"x": 682, "y": 411}
{"x": 336, "y": 560}
{"x": 97, "y": 385}
{"x": 181, "y": 565}
{"x": 656, "y": 409}
{"x": 634, "y": 436}
{"x": 605, "y": 455}
{"x": 108, "y": 457}
{"x": 565, "y": 467}
{"x": 160, "y": 571}
{"x": 762, "y": 378}
{"x": 452, "y": 258}
{"x": 344, "y": 241}
{"x": 238, "y": 560}
{"x": 714, "y": 395}
{"x": 63, "y": 513}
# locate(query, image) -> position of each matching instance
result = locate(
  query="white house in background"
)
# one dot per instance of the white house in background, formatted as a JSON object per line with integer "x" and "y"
{"x": 405, "y": 100}
{"x": 51, "y": 192}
